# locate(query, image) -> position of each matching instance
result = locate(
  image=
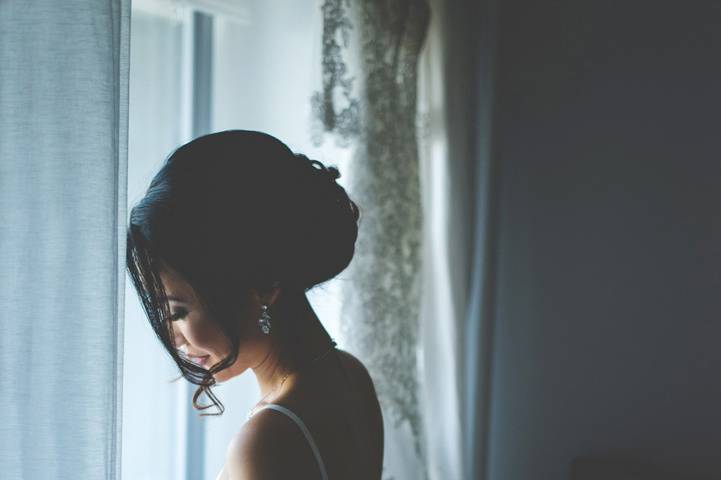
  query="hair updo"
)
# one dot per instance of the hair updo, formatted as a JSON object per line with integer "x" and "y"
{"x": 231, "y": 211}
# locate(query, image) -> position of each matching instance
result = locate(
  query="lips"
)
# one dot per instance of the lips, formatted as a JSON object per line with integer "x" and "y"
{"x": 199, "y": 360}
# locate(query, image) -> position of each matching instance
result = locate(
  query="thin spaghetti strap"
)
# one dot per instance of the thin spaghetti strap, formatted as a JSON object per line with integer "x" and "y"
{"x": 306, "y": 433}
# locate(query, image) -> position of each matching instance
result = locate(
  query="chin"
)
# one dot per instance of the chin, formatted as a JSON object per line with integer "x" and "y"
{"x": 226, "y": 374}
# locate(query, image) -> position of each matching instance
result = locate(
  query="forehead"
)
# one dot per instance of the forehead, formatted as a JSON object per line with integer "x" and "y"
{"x": 176, "y": 288}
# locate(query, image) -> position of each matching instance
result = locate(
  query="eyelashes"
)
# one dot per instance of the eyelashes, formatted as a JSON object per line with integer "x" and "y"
{"x": 180, "y": 314}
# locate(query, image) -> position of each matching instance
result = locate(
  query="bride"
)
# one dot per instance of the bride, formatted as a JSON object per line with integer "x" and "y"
{"x": 232, "y": 232}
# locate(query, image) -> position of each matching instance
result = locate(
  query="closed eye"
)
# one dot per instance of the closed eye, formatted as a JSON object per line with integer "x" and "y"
{"x": 178, "y": 315}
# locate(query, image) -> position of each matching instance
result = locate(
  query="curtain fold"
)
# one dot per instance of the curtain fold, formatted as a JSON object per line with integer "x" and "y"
{"x": 368, "y": 102}
{"x": 440, "y": 332}
{"x": 63, "y": 177}
{"x": 467, "y": 35}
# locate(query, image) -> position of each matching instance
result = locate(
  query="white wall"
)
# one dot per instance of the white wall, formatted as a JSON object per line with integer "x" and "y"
{"x": 608, "y": 327}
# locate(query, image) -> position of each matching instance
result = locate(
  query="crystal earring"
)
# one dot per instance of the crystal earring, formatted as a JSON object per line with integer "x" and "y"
{"x": 264, "y": 321}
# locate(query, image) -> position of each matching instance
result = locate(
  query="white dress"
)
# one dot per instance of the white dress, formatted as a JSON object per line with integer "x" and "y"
{"x": 223, "y": 475}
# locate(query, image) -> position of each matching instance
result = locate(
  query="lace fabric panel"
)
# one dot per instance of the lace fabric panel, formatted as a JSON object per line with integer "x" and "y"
{"x": 374, "y": 113}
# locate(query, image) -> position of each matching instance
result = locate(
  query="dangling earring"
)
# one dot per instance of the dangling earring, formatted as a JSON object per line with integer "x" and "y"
{"x": 264, "y": 321}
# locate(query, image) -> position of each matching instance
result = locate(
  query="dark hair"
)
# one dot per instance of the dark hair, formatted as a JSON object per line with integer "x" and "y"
{"x": 231, "y": 211}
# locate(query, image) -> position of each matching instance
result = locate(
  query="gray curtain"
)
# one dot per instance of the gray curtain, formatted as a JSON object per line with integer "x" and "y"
{"x": 63, "y": 136}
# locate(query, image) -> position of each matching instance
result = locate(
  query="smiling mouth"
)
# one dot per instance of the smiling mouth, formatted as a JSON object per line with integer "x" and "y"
{"x": 200, "y": 360}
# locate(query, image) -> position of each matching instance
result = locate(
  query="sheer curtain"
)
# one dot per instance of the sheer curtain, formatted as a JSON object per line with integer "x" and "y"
{"x": 63, "y": 136}
{"x": 408, "y": 89}
{"x": 440, "y": 331}
{"x": 368, "y": 102}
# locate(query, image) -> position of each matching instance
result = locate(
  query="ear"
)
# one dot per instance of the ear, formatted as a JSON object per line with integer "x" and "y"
{"x": 272, "y": 296}
{"x": 269, "y": 297}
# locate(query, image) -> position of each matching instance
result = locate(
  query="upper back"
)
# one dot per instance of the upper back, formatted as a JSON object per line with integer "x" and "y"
{"x": 338, "y": 405}
{"x": 363, "y": 413}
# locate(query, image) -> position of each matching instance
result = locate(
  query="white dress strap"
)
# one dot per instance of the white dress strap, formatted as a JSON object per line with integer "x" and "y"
{"x": 304, "y": 429}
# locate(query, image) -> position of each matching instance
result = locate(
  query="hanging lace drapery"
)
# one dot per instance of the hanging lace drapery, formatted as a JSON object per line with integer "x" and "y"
{"x": 368, "y": 103}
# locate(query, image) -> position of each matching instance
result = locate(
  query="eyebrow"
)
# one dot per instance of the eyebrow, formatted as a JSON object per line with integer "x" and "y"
{"x": 177, "y": 299}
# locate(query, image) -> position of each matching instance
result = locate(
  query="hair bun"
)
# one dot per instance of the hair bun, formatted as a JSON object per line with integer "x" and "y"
{"x": 331, "y": 172}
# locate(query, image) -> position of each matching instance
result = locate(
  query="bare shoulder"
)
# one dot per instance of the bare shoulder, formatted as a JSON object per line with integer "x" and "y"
{"x": 267, "y": 447}
{"x": 358, "y": 369}
{"x": 351, "y": 359}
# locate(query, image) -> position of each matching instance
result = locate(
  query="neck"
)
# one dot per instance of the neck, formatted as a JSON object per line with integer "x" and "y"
{"x": 310, "y": 342}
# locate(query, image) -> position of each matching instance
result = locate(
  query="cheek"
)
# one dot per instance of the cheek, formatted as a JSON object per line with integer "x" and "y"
{"x": 206, "y": 337}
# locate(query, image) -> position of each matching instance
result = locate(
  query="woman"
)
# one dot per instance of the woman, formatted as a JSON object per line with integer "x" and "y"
{"x": 233, "y": 231}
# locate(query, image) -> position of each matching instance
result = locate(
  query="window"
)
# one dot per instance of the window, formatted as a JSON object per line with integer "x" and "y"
{"x": 197, "y": 67}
